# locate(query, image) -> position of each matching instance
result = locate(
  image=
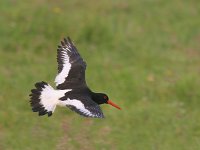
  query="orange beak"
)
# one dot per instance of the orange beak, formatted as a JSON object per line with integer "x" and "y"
{"x": 113, "y": 104}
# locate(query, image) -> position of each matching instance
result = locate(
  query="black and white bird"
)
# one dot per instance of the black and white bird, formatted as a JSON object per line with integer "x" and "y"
{"x": 71, "y": 88}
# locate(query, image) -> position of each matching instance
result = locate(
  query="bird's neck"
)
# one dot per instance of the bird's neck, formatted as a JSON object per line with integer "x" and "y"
{"x": 95, "y": 97}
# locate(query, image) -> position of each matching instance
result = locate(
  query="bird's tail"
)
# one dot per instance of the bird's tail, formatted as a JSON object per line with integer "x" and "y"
{"x": 44, "y": 98}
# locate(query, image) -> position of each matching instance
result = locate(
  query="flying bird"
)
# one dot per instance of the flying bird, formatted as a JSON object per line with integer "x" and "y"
{"x": 71, "y": 88}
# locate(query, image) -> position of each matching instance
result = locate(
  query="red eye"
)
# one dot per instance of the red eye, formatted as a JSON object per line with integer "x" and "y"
{"x": 105, "y": 97}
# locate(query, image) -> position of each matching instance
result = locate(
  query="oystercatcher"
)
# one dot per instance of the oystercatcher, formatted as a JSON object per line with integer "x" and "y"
{"x": 72, "y": 90}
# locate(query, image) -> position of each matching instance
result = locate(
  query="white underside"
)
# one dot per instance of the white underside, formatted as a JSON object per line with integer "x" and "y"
{"x": 49, "y": 97}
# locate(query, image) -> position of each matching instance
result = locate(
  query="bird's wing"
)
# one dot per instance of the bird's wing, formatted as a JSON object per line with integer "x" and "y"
{"x": 71, "y": 67}
{"x": 84, "y": 106}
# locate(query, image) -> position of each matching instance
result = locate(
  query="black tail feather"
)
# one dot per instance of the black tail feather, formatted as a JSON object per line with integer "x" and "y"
{"x": 35, "y": 99}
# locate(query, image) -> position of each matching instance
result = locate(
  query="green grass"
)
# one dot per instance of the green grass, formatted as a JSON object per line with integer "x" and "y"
{"x": 143, "y": 54}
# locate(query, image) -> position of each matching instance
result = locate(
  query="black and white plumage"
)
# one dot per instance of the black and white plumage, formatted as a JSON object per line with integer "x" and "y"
{"x": 71, "y": 67}
{"x": 72, "y": 90}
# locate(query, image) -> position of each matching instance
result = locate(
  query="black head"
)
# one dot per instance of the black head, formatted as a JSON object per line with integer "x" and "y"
{"x": 101, "y": 98}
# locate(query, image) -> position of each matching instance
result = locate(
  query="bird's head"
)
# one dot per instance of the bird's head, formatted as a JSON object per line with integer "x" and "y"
{"x": 101, "y": 98}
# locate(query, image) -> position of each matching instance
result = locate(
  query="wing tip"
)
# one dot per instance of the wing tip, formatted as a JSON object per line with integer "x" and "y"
{"x": 66, "y": 42}
{"x": 62, "y": 43}
{"x": 69, "y": 39}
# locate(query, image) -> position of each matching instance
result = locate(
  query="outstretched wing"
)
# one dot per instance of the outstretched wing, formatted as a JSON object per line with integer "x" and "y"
{"x": 84, "y": 106}
{"x": 81, "y": 104}
{"x": 71, "y": 67}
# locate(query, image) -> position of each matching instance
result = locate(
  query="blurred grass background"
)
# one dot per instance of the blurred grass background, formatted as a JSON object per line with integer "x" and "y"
{"x": 143, "y": 54}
